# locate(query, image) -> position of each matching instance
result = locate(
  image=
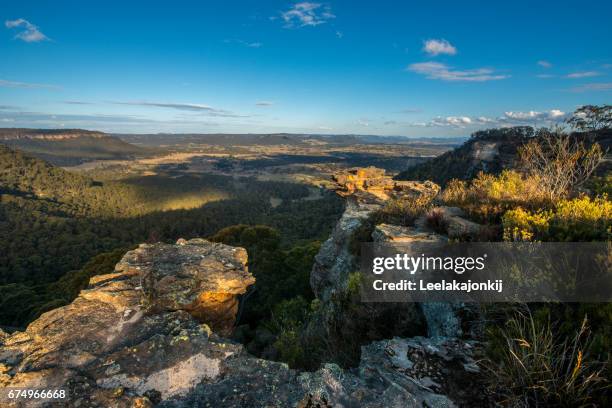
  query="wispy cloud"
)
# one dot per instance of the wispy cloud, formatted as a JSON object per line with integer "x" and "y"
{"x": 28, "y": 85}
{"x": 339, "y": 34}
{"x": 582, "y": 74}
{"x": 250, "y": 44}
{"x": 545, "y": 76}
{"x": 109, "y": 122}
{"x": 180, "y": 106}
{"x": 29, "y": 32}
{"x": 601, "y": 86}
{"x": 264, "y": 103}
{"x": 436, "y": 70}
{"x": 78, "y": 103}
{"x": 435, "y": 47}
{"x": 190, "y": 107}
{"x": 544, "y": 64}
{"x": 307, "y": 14}
{"x": 410, "y": 110}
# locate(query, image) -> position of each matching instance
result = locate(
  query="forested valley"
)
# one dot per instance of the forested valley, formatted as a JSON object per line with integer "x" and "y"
{"x": 59, "y": 228}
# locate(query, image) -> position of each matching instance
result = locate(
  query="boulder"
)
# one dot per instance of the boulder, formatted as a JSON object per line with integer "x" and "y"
{"x": 200, "y": 277}
{"x": 143, "y": 327}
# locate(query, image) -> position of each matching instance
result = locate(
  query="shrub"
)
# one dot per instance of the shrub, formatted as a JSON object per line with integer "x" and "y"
{"x": 354, "y": 283}
{"x": 286, "y": 322}
{"x": 403, "y": 211}
{"x": 561, "y": 162}
{"x": 436, "y": 221}
{"x": 534, "y": 367}
{"x": 601, "y": 185}
{"x": 487, "y": 197}
{"x": 579, "y": 219}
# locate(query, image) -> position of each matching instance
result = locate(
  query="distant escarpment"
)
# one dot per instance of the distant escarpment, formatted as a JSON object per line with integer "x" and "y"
{"x": 149, "y": 334}
{"x": 65, "y": 147}
{"x": 491, "y": 151}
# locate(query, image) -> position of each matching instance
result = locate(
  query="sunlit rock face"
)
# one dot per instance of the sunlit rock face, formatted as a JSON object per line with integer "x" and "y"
{"x": 197, "y": 276}
{"x": 144, "y": 327}
{"x": 370, "y": 185}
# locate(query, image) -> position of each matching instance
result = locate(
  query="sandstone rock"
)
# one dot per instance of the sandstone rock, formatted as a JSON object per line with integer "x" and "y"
{"x": 371, "y": 184}
{"x": 457, "y": 225}
{"x": 138, "y": 329}
{"x": 198, "y": 276}
{"x": 397, "y": 233}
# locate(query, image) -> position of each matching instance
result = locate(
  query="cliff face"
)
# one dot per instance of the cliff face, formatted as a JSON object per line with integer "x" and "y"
{"x": 68, "y": 147}
{"x": 492, "y": 151}
{"x": 142, "y": 337}
{"x": 366, "y": 191}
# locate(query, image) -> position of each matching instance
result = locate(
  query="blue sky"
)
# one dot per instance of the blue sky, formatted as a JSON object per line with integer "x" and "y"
{"x": 385, "y": 67}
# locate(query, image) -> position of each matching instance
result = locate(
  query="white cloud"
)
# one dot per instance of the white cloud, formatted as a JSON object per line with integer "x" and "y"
{"x": 363, "y": 122}
{"x": 582, "y": 74}
{"x": 450, "y": 121}
{"x": 436, "y": 70}
{"x": 264, "y": 103}
{"x": 30, "y": 32}
{"x": 544, "y": 64}
{"x": 14, "y": 84}
{"x": 435, "y": 47}
{"x": 601, "y": 86}
{"x": 533, "y": 116}
{"x": 339, "y": 34}
{"x": 307, "y": 14}
{"x": 510, "y": 118}
{"x": 545, "y": 76}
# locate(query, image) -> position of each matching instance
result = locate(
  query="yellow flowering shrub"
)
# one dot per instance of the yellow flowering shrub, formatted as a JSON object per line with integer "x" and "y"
{"x": 487, "y": 197}
{"x": 578, "y": 219}
{"x": 522, "y": 225}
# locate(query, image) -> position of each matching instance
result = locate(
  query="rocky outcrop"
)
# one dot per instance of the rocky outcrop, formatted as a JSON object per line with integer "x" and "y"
{"x": 342, "y": 322}
{"x": 366, "y": 190}
{"x": 372, "y": 185}
{"x": 197, "y": 276}
{"x": 397, "y": 233}
{"x": 143, "y": 329}
{"x": 141, "y": 337}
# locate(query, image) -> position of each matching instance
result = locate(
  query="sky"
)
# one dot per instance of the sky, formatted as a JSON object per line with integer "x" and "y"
{"x": 418, "y": 69}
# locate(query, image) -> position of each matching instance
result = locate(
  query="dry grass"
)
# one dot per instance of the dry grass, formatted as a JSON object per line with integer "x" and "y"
{"x": 537, "y": 369}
